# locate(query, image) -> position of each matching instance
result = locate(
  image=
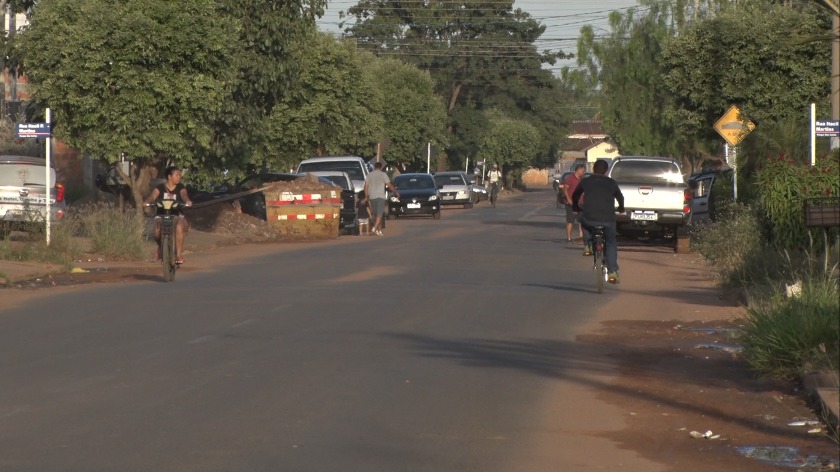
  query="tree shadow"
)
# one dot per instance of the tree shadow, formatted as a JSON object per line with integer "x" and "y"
{"x": 581, "y": 362}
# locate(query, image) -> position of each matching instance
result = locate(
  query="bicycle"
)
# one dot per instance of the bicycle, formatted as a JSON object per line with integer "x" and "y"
{"x": 494, "y": 193}
{"x": 598, "y": 243}
{"x": 168, "y": 256}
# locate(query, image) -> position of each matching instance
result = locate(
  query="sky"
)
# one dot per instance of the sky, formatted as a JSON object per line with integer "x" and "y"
{"x": 563, "y": 20}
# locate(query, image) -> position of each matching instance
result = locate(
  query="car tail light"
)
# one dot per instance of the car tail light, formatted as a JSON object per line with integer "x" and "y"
{"x": 59, "y": 215}
{"x": 687, "y": 200}
{"x": 59, "y": 192}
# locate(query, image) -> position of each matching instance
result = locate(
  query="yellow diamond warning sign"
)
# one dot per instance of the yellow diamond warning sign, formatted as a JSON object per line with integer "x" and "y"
{"x": 733, "y": 127}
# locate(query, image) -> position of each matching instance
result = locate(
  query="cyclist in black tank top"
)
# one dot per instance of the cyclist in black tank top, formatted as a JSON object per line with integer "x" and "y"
{"x": 173, "y": 190}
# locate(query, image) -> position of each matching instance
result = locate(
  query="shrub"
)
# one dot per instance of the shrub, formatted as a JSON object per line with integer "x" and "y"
{"x": 114, "y": 233}
{"x": 786, "y": 336}
{"x": 783, "y": 187}
{"x": 63, "y": 248}
{"x": 733, "y": 239}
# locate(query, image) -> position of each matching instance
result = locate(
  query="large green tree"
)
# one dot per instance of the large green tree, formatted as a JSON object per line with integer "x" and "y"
{"x": 140, "y": 78}
{"x": 267, "y": 65}
{"x": 508, "y": 142}
{"x": 758, "y": 57}
{"x": 333, "y": 108}
{"x": 626, "y": 69}
{"x": 482, "y": 55}
{"x": 413, "y": 115}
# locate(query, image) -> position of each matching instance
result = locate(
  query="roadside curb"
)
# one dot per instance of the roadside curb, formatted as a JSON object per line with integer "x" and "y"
{"x": 824, "y": 388}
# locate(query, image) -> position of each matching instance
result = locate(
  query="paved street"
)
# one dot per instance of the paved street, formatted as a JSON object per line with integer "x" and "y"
{"x": 442, "y": 346}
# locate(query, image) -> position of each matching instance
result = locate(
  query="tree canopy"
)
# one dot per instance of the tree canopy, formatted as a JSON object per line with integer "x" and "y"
{"x": 143, "y": 78}
{"x": 481, "y": 56}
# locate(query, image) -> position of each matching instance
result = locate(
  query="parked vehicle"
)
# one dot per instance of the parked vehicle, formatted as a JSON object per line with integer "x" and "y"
{"x": 24, "y": 191}
{"x": 349, "y": 220}
{"x": 454, "y": 188}
{"x": 479, "y": 191}
{"x": 354, "y": 166}
{"x": 656, "y": 197}
{"x": 418, "y": 196}
{"x": 706, "y": 187}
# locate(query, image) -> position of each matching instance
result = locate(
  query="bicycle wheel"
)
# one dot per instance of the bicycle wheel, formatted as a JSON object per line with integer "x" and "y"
{"x": 600, "y": 270}
{"x": 167, "y": 254}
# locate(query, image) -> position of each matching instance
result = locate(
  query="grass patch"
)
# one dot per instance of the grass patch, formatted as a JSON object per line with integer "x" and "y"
{"x": 784, "y": 338}
{"x": 113, "y": 233}
{"x": 30, "y": 244}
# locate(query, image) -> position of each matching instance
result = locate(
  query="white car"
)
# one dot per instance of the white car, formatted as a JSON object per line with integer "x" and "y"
{"x": 24, "y": 192}
{"x": 454, "y": 189}
{"x": 354, "y": 166}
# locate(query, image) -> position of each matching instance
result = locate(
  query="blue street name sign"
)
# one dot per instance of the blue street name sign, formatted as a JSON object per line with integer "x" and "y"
{"x": 33, "y": 130}
{"x": 827, "y": 128}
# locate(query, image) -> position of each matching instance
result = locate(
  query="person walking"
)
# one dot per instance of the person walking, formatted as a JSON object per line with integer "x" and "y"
{"x": 569, "y": 187}
{"x": 375, "y": 185}
{"x": 599, "y": 209}
{"x": 363, "y": 213}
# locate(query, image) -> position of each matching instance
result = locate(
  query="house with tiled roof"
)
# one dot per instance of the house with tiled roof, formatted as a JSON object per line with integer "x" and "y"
{"x": 586, "y": 142}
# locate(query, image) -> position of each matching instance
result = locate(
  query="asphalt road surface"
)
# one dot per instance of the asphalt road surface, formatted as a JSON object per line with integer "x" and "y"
{"x": 446, "y": 345}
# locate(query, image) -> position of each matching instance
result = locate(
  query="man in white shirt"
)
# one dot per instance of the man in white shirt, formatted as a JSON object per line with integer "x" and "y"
{"x": 375, "y": 185}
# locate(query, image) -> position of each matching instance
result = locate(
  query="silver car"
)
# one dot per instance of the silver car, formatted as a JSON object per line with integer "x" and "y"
{"x": 454, "y": 189}
{"x": 24, "y": 192}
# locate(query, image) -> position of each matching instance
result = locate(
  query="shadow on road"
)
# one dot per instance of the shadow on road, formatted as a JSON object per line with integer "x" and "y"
{"x": 581, "y": 362}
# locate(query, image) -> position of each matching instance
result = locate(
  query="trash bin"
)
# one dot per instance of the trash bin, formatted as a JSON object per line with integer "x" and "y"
{"x": 300, "y": 211}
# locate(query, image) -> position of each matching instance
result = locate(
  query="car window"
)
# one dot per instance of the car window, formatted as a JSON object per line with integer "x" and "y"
{"x": 18, "y": 175}
{"x": 409, "y": 182}
{"x": 450, "y": 179}
{"x": 337, "y": 180}
{"x": 646, "y": 172}
{"x": 702, "y": 187}
{"x": 353, "y": 169}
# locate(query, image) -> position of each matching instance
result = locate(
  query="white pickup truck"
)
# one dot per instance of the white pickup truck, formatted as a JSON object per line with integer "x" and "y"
{"x": 657, "y": 200}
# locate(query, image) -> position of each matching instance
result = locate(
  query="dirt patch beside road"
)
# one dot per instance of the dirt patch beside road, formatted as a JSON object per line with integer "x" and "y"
{"x": 669, "y": 332}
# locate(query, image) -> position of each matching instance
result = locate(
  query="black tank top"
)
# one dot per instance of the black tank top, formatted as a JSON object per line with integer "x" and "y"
{"x": 165, "y": 194}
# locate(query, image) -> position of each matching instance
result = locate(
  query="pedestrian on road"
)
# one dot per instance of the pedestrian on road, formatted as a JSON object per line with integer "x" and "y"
{"x": 569, "y": 187}
{"x": 375, "y": 185}
{"x": 363, "y": 213}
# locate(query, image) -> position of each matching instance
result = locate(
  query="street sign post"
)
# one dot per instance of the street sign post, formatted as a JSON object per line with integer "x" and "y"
{"x": 732, "y": 128}
{"x": 827, "y": 128}
{"x": 41, "y": 130}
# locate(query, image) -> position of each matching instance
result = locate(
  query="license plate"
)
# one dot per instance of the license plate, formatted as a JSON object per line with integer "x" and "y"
{"x": 449, "y": 197}
{"x": 413, "y": 205}
{"x": 644, "y": 216}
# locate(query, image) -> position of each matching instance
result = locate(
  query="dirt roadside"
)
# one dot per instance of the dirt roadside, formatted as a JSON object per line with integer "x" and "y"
{"x": 670, "y": 334}
{"x": 667, "y": 331}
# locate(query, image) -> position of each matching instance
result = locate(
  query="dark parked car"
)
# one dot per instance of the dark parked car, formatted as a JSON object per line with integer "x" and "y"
{"x": 418, "y": 196}
{"x": 253, "y": 204}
